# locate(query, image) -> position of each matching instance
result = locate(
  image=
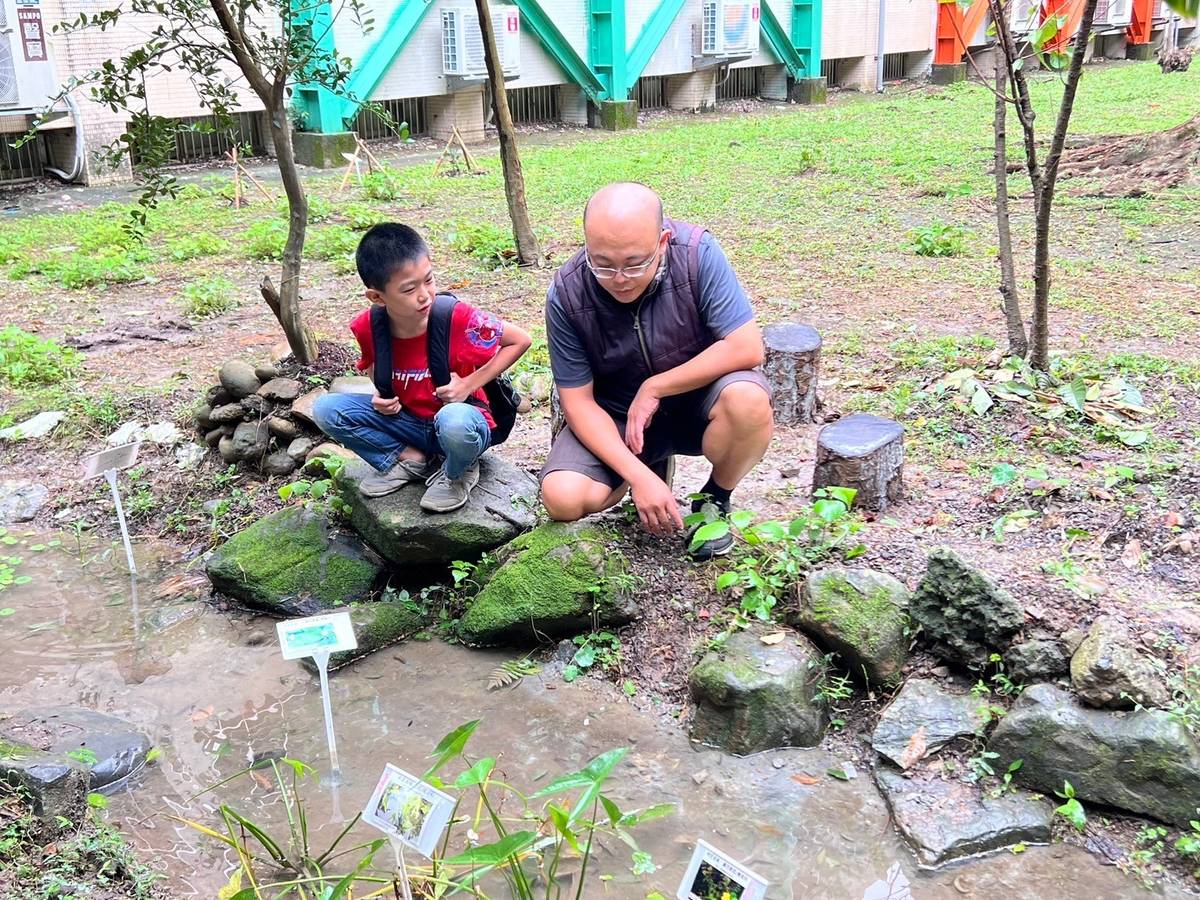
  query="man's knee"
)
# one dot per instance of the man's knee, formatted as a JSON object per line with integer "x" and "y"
{"x": 460, "y": 423}
{"x": 745, "y": 405}
{"x": 327, "y": 411}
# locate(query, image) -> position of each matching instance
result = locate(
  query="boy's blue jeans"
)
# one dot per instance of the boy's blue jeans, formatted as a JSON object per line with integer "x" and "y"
{"x": 458, "y": 432}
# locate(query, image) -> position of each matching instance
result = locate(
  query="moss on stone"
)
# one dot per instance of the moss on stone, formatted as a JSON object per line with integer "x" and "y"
{"x": 860, "y": 614}
{"x": 554, "y": 577}
{"x": 864, "y": 618}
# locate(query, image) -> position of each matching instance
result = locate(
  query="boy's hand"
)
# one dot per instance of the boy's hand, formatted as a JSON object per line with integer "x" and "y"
{"x": 388, "y": 407}
{"x": 457, "y": 391}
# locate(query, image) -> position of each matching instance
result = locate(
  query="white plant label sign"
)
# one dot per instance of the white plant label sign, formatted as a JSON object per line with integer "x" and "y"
{"x": 328, "y": 633}
{"x": 713, "y": 874}
{"x": 408, "y": 810}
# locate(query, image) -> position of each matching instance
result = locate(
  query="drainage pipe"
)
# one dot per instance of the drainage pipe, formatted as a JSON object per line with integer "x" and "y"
{"x": 880, "y": 48}
{"x": 77, "y": 164}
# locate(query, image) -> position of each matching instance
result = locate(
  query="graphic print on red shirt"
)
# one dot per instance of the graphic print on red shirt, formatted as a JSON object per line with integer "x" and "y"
{"x": 474, "y": 342}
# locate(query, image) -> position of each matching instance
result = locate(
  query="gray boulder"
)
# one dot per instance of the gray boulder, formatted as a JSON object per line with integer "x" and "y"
{"x": 924, "y": 718}
{"x": 1039, "y": 659}
{"x": 947, "y": 820}
{"x": 225, "y": 448}
{"x": 753, "y": 696}
{"x": 20, "y": 501}
{"x": 377, "y": 625}
{"x": 501, "y": 507}
{"x": 352, "y": 384}
{"x": 251, "y": 440}
{"x": 554, "y": 581}
{"x": 284, "y": 429}
{"x": 112, "y": 749}
{"x": 302, "y": 406}
{"x": 963, "y": 613}
{"x": 1108, "y": 670}
{"x": 238, "y": 379}
{"x": 281, "y": 390}
{"x": 294, "y": 563}
{"x": 862, "y": 616}
{"x": 279, "y": 463}
{"x": 56, "y": 784}
{"x": 299, "y": 448}
{"x": 230, "y": 412}
{"x": 1144, "y": 762}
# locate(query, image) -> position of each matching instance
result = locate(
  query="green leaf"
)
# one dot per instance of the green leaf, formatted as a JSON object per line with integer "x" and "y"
{"x": 570, "y": 673}
{"x": 741, "y": 519}
{"x": 451, "y": 745}
{"x": 1133, "y": 438}
{"x": 726, "y": 580}
{"x": 585, "y": 656}
{"x": 611, "y": 810}
{"x": 97, "y": 801}
{"x": 629, "y": 688}
{"x": 645, "y": 815}
{"x": 769, "y": 531}
{"x": 642, "y": 863}
{"x": 1074, "y": 394}
{"x": 845, "y": 494}
{"x": 562, "y": 824}
{"x": 1074, "y": 813}
{"x": 1189, "y": 8}
{"x": 7, "y": 611}
{"x": 1004, "y": 473}
{"x": 981, "y": 401}
{"x": 477, "y": 774}
{"x": 828, "y": 510}
{"x": 342, "y": 887}
{"x": 495, "y": 853}
{"x": 710, "y": 532}
{"x": 839, "y": 774}
{"x": 154, "y": 754}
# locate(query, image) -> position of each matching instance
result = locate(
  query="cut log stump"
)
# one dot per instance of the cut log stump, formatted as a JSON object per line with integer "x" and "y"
{"x": 793, "y": 353}
{"x": 863, "y": 452}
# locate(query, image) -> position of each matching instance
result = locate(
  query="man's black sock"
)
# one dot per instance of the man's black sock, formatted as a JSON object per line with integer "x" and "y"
{"x": 717, "y": 495}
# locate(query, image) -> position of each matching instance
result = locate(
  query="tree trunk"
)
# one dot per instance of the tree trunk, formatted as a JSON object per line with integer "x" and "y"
{"x": 1018, "y": 343}
{"x": 300, "y": 339}
{"x": 1039, "y": 356}
{"x": 528, "y": 251}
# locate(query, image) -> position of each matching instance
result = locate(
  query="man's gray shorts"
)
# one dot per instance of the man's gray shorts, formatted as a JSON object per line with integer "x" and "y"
{"x": 679, "y": 431}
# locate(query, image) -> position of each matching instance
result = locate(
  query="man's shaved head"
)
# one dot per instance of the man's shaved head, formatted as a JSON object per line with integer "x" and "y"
{"x": 625, "y": 200}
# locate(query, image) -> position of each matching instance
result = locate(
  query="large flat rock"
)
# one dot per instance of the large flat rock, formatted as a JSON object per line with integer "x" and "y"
{"x": 922, "y": 719}
{"x": 111, "y": 748}
{"x": 946, "y": 820}
{"x": 500, "y": 507}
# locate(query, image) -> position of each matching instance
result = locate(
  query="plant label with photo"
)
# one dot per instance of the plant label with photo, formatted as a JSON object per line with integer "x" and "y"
{"x": 327, "y": 633}
{"x": 408, "y": 810}
{"x": 711, "y": 875}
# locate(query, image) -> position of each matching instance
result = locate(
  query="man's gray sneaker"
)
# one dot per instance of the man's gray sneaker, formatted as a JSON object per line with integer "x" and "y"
{"x": 719, "y": 546}
{"x": 446, "y": 494}
{"x": 402, "y": 473}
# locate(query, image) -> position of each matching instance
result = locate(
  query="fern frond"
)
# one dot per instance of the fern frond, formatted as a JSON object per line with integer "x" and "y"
{"x": 512, "y": 671}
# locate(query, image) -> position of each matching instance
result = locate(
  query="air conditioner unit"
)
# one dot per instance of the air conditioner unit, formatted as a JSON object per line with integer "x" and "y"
{"x": 27, "y": 76}
{"x": 462, "y": 41}
{"x": 1026, "y": 15}
{"x": 1113, "y": 13}
{"x": 729, "y": 28}
{"x": 1158, "y": 10}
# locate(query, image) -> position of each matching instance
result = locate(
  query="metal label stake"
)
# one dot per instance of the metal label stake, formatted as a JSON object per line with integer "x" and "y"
{"x": 107, "y": 463}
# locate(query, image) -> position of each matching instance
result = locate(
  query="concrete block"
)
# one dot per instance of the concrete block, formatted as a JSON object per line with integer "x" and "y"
{"x": 463, "y": 110}
{"x": 323, "y": 151}
{"x": 774, "y": 82}
{"x": 1139, "y": 51}
{"x": 948, "y": 73}
{"x": 572, "y": 104}
{"x": 614, "y": 115}
{"x": 695, "y": 91}
{"x": 809, "y": 91}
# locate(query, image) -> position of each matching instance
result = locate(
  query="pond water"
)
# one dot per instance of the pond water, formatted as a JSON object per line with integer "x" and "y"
{"x": 212, "y": 692}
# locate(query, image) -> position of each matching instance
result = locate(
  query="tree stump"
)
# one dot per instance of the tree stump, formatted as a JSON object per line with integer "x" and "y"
{"x": 863, "y": 452}
{"x": 793, "y": 353}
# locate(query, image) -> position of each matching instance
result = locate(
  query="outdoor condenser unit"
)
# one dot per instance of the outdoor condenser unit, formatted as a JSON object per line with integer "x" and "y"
{"x": 27, "y": 76}
{"x": 1113, "y": 13}
{"x": 729, "y": 28}
{"x": 1026, "y": 15}
{"x": 462, "y": 42}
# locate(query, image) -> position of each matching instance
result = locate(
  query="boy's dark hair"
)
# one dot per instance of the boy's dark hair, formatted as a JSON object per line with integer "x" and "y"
{"x": 384, "y": 249}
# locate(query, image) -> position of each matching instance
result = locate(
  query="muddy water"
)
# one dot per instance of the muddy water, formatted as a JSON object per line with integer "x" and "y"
{"x": 211, "y": 691}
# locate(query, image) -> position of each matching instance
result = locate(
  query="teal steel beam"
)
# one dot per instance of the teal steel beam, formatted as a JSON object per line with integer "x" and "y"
{"x": 607, "y": 54}
{"x": 319, "y": 106}
{"x": 369, "y": 70}
{"x": 780, "y": 42}
{"x": 648, "y": 41}
{"x": 553, "y": 42}
{"x": 806, "y": 35}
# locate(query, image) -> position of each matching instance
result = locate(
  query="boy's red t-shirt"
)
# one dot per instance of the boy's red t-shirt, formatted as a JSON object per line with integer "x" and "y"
{"x": 474, "y": 341}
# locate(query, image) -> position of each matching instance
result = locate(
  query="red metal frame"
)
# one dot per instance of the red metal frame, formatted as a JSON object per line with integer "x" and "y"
{"x": 954, "y": 29}
{"x": 1142, "y": 23}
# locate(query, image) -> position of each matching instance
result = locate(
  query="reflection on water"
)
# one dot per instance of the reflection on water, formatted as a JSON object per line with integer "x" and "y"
{"x": 213, "y": 693}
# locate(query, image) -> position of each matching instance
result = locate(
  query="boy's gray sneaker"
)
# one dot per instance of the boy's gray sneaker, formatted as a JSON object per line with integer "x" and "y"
{"x": 402, "y": 473}
{"x": 446, "y": 494}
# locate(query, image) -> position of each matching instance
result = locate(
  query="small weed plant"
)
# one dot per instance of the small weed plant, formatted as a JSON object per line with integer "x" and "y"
{"x": 26, "y": 359}
{"x": 207, "y": 297}
{"x": 1071, "y": 810}
{"x": 195, "y": 246}
{"x": 598, "y": 650}
{"x": 938, "y": 239}
{"x": 318, "y": 491}
{"x": 488, "y": 243}
{"x": 381, "y": 186}
{"x": 265, "y": 240}
{"x": 771, "y": 557}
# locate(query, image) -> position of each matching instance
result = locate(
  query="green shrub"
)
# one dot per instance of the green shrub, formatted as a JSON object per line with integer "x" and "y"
{"x": 360, "y": 216}
{"x": 193, "y": 246}
{"x": 331, "y": 242}
{"x": 27, "y": 359}
{"x": 319, "y": 209}
{"x": 265, "y": 240}
{"x": 938, "y": 239}
{"x": 381, "y": 185}
{"x": 208, "y": 297}
{"x": 73, "y": 269}
{"x": 488, "y": 243}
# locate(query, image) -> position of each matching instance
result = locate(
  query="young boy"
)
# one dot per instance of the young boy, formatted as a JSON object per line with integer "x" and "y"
{"x": 404, "y": 436}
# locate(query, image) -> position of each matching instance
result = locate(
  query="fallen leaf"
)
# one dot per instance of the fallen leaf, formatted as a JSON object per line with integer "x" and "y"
{"x": 955, "y": 465}
{"x": 915, "y": 751}
{"x": 1173, "y": 520}
{"x": 838, "y": 774}
{"x": 201, "y": 714}
{"x": 704, "y": 614}
{"x": 804, "y": 778}
{"x": 1099, "y": 493}
{"x": 774, "y": 638}
{"x": 1131, "y": 556}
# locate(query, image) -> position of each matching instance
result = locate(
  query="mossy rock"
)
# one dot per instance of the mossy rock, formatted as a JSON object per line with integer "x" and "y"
{"x": 752, "y": 696}
{"x": 963, "y": 613}
{"x": 1109, "y": 670}
{"x": 500, "y": 507}
{"x": 294, "y": 562}
{"x": 554, "y": 581}
{"x": 56, "y": 784}
{"x": 862, "y": 616}
{"x": 377, "y": 625}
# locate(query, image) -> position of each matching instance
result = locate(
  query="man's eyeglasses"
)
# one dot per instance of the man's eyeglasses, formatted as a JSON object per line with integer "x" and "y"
{"x": 605, "y": 273}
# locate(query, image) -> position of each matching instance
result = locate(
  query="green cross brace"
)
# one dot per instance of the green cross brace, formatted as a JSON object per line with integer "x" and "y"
{"x": 320, "y": 106}
{"x": 652, "y": 34}
{"x": 798, "y": 48}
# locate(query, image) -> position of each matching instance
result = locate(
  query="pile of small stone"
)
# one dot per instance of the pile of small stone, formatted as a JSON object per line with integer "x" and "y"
{"x": 260, "y": 418}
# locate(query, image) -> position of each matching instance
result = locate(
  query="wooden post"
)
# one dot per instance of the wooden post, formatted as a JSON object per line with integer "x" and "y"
{"x": 793, "y": 354}
{"x": 863, "y": 452}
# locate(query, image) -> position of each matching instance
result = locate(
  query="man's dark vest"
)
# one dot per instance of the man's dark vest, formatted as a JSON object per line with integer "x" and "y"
{"x": 626, "y": 343}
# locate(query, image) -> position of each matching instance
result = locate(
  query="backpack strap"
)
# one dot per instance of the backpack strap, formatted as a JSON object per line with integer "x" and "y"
{"x": 381, "y": 340}
{"x": 437, "y": 338}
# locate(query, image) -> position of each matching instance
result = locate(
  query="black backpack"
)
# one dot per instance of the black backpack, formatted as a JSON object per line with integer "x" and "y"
{"x": 503, "y": 398}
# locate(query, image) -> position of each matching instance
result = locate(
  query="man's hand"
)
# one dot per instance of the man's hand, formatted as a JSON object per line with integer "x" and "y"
{"x": 387, "y": 407}
{"x": 656, "y": 506}
{"x": 641, "y": 411}
{"x": 457, "y": 391}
